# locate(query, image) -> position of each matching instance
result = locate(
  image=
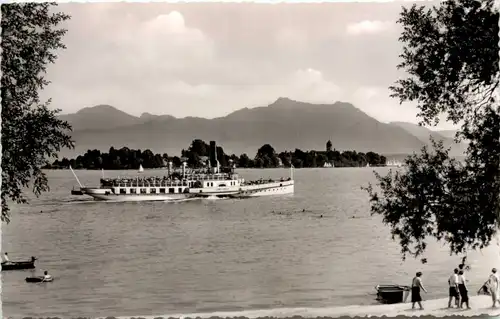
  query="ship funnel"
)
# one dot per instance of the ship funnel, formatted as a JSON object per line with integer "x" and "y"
{"x": 213, "y": 154}
{"x": 214, "y": 163}
{"x": 184, "y": 164}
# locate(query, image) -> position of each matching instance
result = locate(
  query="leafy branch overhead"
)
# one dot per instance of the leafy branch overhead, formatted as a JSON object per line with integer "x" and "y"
{"x": 31, "y": 132}
{"x": 451, "y": 57}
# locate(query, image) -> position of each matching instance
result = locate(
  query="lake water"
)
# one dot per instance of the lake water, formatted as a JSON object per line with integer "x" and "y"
{"x": 213, "y": 255}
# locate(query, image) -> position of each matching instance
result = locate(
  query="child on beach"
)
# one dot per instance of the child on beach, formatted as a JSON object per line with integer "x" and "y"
{"x": 416, "y": 286}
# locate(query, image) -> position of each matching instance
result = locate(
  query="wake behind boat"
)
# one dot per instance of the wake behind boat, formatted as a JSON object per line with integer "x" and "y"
{"x": 211, "y": 182}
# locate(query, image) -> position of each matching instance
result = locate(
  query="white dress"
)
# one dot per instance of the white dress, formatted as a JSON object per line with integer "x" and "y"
{"x": 498, "y": 285}
{"x": 494, "y": 284}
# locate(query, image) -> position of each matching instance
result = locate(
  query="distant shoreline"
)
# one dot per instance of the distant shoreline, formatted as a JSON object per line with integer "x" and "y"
{"x": 242, "y": 168}
{"x": 200, "y": 154}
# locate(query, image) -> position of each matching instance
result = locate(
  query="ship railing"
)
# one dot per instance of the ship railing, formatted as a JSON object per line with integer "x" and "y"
{"x": 208, "y": 178}
{"x": 173, "y": 184}
{"x": 265, "y": 181}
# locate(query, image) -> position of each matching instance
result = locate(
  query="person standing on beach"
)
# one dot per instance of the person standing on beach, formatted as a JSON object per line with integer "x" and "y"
{"x": 462, "y": 288}
{"x": 494, "y": 286}
{"x": 416, "y": 286}
{"x": 453, "y": 289}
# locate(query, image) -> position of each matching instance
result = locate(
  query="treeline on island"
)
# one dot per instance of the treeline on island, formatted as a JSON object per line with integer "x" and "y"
{"x": 197, "y": 155}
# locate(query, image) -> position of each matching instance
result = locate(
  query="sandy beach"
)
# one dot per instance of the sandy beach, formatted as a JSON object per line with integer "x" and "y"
{"x": 481, "y": 305}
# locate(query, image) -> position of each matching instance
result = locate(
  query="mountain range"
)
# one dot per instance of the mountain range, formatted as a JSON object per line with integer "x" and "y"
{"x": 285, "y": 124}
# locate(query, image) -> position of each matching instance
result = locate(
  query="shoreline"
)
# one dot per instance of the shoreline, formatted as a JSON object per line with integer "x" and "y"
{"x": 481, "y": 305}
{"x": 237, "y": 168}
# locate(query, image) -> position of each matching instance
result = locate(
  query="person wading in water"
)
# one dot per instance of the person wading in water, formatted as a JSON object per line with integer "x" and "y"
{"x": 416, "y": 286}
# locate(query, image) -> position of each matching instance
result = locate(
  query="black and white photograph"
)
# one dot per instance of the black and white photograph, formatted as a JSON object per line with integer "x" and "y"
{"x": 250, "y": 159}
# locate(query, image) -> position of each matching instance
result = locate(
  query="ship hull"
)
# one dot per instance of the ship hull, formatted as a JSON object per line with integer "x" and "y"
{"x": 269, "y": 189}
{"x": 245, "y": 191}
{"x": 106, "y": 195}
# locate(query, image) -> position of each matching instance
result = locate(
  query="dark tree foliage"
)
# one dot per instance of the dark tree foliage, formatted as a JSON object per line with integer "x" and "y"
{"x": 451, "y": 56}
{"x": 31, "y": 132}
{"x": 123, "y": 158}
{"x": 266, "y": 157}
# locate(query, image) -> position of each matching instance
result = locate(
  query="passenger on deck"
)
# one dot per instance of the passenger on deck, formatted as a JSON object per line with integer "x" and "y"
{"x": 46, "y": 276}
{"x": 5, "y": 258}
{"x": 453, "y": 289}
{"x": 462, "y": 288}
{"x": 416, "y": 286}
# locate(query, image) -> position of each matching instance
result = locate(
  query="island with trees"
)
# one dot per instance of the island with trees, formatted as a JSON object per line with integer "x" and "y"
{"x": 197, "y": 154}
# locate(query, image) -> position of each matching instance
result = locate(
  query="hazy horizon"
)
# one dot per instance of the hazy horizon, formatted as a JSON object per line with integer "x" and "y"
{"x": 211, "y": 59}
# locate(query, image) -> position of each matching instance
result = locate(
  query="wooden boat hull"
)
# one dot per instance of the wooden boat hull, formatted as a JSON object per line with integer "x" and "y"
{"x": 37, "y": 279}
{"x": 18, "y": 265}
{"x": 76, "y": 192}
{"x": 391, "y": 294}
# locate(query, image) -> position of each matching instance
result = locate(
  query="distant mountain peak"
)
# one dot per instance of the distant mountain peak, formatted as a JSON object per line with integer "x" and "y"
{"x": 147, "y": 115}
{"x": 284, "y": 99}
{"x": 98, "y": 108}
{"x": 286, "y": 125}
{"x": 281, "y": 101}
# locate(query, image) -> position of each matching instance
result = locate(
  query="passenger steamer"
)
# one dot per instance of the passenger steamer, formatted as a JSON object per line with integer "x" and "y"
{"x": 185, "y": 185}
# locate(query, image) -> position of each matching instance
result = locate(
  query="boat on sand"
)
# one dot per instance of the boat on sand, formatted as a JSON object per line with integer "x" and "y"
{"x": 390, "y": 294}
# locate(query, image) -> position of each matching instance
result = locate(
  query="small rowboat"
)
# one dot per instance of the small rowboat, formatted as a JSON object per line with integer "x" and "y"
{"x": 19, "y": 265}
{"x": 38, "y": 279}
{"x": 392, "y": 293}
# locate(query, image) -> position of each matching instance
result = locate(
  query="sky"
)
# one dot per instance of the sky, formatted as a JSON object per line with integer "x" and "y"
{"x": 209, "y": 59}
